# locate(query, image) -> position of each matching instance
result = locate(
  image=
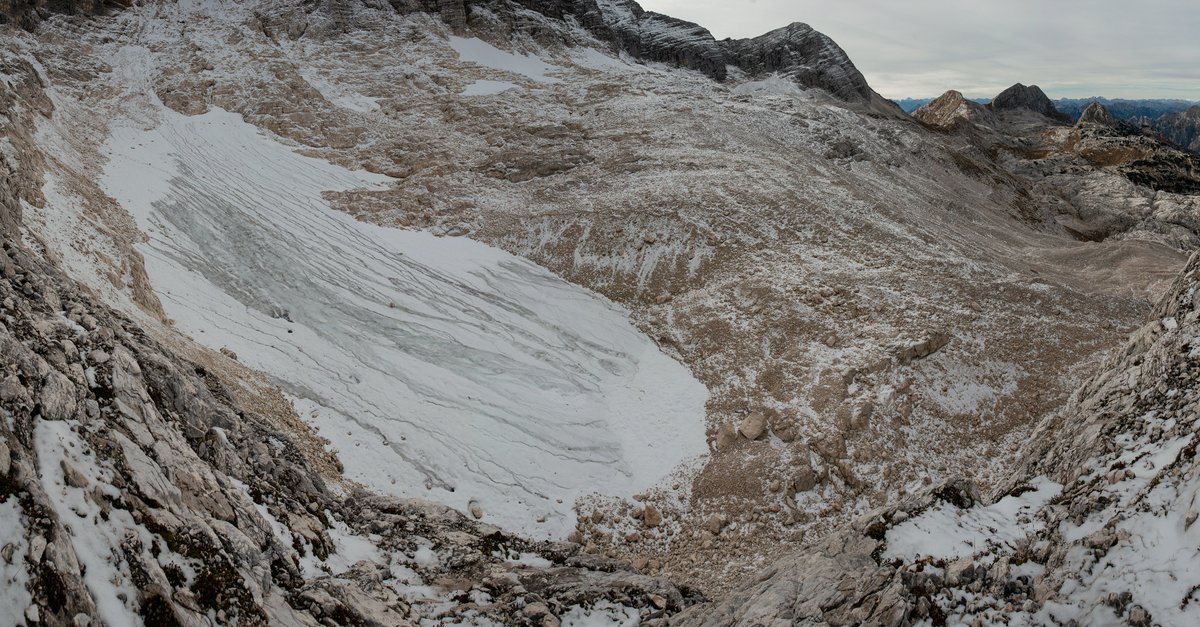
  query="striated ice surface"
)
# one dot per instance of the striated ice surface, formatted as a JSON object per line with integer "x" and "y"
{"x": 438, "y": 367}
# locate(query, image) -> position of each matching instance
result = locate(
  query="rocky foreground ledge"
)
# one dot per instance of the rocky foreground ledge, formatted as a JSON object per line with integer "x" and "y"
{"x": 1097, "y": 527}
{"x": 136, "y": 483}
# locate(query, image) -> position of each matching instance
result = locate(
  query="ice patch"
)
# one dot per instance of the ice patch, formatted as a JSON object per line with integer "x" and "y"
{"x": 774, "y": 85}
{"x": 480, "y": 52}
{"x": 488, "y": 88}
{"x": 438, "y": 367}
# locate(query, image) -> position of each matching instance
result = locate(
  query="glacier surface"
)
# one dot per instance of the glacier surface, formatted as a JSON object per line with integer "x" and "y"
{"x": 439, "y": 368}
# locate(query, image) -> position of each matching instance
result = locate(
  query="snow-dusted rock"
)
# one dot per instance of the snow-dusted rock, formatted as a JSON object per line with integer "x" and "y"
{"x": 753, "y": 426}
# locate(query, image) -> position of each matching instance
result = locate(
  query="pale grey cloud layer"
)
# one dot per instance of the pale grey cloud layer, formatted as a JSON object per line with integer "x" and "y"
{"x": 1072, "y": 48}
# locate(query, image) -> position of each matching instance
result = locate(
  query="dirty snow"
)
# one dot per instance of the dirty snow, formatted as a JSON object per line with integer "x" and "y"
{"x": 947, "y": 532}
{"x": 601, "y": 614}
{"x": 340, "y": 96}
{"x": 14, "y": 597}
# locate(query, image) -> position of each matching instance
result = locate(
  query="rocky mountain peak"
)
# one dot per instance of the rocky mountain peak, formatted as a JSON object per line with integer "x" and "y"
{"x": 1030, "y": 98}
{"x": 1097, "y": 113}
{"x": 796, "y": 51}
{"x": 950, "y": 109}
{"x": 804, "y": 55}
{"x": 656, "y": 37}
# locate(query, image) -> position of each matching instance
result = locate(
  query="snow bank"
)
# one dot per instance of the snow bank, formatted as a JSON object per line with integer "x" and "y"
{"x": 946, "y": 532}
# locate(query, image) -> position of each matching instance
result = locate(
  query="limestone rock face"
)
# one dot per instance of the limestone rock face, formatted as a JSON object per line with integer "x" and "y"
{"x": 655, "y": 37}
{"x": 453, "y": 13}
{"x": 1030, "y": 98}
{"x": 804, "y": 55}
{"x": 797, "y": 51}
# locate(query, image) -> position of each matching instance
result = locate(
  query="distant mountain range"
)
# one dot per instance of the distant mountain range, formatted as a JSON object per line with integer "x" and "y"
{"x": 1121, "y": 108}
{"x": 1125, "y": 109}
{"x": 1177, "y": 120}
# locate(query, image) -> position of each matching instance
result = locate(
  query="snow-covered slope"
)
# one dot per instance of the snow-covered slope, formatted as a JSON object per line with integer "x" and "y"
{"x": 873, "y": 307}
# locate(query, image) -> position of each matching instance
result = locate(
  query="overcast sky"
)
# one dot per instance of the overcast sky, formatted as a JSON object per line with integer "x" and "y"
{"x": 921, "y": 48}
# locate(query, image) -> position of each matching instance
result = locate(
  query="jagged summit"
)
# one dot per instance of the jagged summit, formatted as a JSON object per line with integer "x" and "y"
{"x": 1097, "y": 113}
{"x": 804, "y": 55}
{"x": 1030, "y": 98}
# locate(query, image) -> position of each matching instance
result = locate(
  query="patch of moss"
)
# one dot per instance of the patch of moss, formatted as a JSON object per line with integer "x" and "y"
{"x": 8, "y": 487}
{"x": 956, "y": 498}
{"x": 218, "y": 586}
{"x": 49, "y": 586}
{"x": 175, "y": 575}
{"x": 495, "y": 543}
{"x": 156, "y": 612}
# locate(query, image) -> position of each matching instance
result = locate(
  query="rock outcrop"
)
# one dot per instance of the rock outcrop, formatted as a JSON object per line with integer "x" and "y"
{"x": 797, "y": 52}
{"x": 802, "y": 54}
{"x": 1140, "y": 154}
{"x": 28, "y": 13}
